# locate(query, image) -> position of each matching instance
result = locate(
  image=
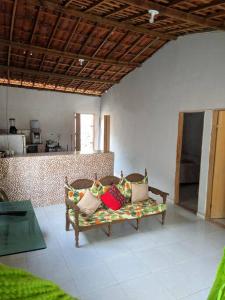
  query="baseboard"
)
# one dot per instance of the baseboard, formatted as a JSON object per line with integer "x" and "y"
{"x": 200, "y": 215}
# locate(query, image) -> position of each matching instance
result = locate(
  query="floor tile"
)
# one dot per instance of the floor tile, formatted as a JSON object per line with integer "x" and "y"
{"x": 92, "y": 278}
{"x": 109, "y": 293}
{"x": 145, "y": 288}
{"x": 126, "y": 266}
{"x": 202, "y": 295}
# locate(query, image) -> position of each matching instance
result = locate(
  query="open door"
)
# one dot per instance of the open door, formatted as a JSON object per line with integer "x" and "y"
{"x": 218, "y": 185}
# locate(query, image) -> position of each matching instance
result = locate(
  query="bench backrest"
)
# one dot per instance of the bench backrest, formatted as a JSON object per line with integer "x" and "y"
{"x": 81, "y": 183}
{"x": 109, "y": 180}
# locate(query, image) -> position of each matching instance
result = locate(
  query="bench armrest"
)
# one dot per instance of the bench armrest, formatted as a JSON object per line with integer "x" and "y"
{"x": 158, "y": 192}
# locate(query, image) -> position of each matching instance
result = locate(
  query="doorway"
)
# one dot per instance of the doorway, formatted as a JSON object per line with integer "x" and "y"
{"x": 84, "y": 132}
{"x": 189, "y": 159}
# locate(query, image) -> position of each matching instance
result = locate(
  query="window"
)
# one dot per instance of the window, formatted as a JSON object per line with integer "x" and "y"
{"x": 84, "y": 132}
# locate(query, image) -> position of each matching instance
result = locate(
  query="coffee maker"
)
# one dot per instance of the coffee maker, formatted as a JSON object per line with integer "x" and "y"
{"x": 35, "y": 132}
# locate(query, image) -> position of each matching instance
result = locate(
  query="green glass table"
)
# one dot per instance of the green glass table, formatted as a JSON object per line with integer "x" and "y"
{"x": 19, "y": 228}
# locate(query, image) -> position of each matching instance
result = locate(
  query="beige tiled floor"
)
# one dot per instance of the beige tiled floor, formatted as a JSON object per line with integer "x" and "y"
{"x": 174, "y": 261}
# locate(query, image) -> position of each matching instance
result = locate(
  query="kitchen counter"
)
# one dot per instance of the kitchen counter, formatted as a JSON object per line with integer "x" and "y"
{"x": 55, "y": 153}
{"x": 40, "y": 177}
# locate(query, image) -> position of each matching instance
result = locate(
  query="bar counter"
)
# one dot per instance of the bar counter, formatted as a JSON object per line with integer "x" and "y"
{"x": 40, "y": 177}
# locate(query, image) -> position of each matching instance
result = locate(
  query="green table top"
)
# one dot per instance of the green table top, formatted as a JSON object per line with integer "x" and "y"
{"x": 19, "y": 232}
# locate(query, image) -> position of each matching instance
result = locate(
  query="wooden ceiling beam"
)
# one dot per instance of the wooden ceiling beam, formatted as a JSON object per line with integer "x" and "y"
{"x": 117, "y": 44}
{"x": 212, "y": 4}
{"x": 67, "y": 3}
{"x": 24, "y": 86}
{"x": 51, "y": 38}
{"x": 11, "y": 33}
{"x": 132, "y": 46}
{"x": 135, "y": 16}
{"x": 145, "y": 48}
{"x": 35, "y": 25}
{"x": 89, "y": 37}
{"x": 50, "y": 4}
{"x": 175, "y": 2}
{"x": 174, "y": 13}
{"x": 103, "y": 42}
{"x": 53, "y": 75}
{"x": 94, "y": 5}
{"x": 116, "y": 11}
{"x": 65, "y": 54}
{"x": 74, "y": 30}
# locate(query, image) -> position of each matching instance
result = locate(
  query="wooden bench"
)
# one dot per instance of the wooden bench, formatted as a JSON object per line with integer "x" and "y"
{"x": 106, "y": 217}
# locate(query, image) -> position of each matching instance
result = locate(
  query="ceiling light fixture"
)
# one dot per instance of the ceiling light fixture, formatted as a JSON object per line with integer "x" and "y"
{"x": 152, "y": 13}
{"x": 81, "y": 61}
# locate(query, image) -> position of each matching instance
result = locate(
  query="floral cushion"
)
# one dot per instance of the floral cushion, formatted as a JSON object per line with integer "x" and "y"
{"x": 76, "y": 194}
{"x": 129, "y": 211}
{"x": 102, "y": 189}
{"x": 125, "y": 186}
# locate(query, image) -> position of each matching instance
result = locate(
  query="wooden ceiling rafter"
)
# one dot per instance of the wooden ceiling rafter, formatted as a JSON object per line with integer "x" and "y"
{"x": 11, "y": 33}
{"x": 116, "y": 11}
{"x": 110, "y": 33}
{"x": 94, "y": 5}
{"x": 32, "y": 34}
{"x": 117, "y": 44}
{"x": 204, "y": 6}
{"x": 150, "y": 44}
{"x": 65, "y": 54}
{"x": 51, "y": 37}
{"x": 54, "y": 75}
{"x": 48, "y": 89}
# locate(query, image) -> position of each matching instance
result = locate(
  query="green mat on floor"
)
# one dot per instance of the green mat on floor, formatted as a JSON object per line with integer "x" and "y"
{"x": 20, "y": 285}
{"x": 218, "y": 290}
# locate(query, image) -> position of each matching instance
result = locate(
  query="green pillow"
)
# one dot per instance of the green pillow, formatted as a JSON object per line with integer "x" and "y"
{"x": 124, "y": 186}
{"x": 20, "y": 285}
{"x": 218, "y": 289}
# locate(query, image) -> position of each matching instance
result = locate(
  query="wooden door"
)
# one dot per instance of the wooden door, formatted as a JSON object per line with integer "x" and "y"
{"x": 106, "y": 133}
{"x": 218, "y": 187}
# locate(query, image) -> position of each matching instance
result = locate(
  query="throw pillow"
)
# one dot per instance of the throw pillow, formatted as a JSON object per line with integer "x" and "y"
{"x": 113, "y": 198}
{"x": 89, "y": 203}
{"x": 76, "y": 195}
{"x": 124, "y": 186}
{"x": 139, "y": 192}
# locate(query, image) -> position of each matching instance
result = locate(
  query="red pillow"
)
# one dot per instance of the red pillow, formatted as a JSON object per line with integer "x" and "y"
{"x": 113, "y": 198}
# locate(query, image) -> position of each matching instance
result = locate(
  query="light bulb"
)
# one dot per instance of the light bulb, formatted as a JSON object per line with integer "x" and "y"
{"x": 81, "y": 61}
{"x": 152, "y": 13}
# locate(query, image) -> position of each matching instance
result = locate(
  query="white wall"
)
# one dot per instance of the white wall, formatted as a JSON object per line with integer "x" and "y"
{"x": 185, "y": 75}
{"x": 54, "y": 110}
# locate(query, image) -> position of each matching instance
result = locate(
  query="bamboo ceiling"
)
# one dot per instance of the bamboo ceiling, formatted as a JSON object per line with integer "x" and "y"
{"x": 87, "y": 46}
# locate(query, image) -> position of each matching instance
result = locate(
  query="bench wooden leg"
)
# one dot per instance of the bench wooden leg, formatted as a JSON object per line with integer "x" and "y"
{"x": 109, "y": 230}
{"x": 67, "y": 222}
{"x": 138, "y": 221}
{"x": 163, "y": 217}
{"x": 77, "y": 237}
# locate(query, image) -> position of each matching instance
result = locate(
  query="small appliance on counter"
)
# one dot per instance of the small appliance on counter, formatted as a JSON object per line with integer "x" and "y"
{"x": 35, "y": 132}
{"x": 12, "y": 144}
{"x": 12, "y": 126}
{"x": 52, "y": 144}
